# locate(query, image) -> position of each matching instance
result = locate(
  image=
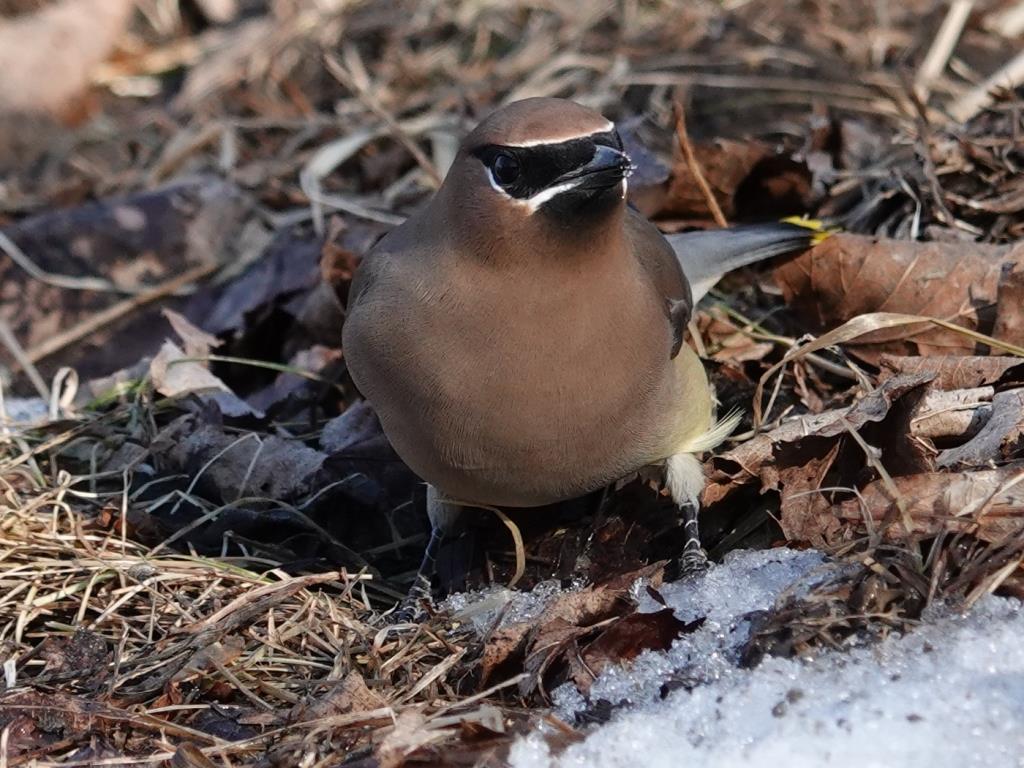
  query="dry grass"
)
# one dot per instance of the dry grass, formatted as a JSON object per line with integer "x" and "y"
{"x": 124, "y": 653}
{"x": 131, "y": 652}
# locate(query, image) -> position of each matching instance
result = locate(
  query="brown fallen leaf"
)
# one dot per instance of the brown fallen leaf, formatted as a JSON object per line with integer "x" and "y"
{"x": 174, "y": 373}
{"x": 84, "y": 655}
{"x": 944, "y": 417}
{"x": 352, "y": 695}
{"x": 805, "y": 513}
{"x": 1001, "y": 438}
{"x": 848, "y": 275}
{"x": 188, "y": 755}
{"x": 75, "y": 266}
{"x": 1009, "y": 322}
{"x": 986, "y": 503}
{"x": 410, "y": 733}
{"x": 757, "y": 459}
{"x": 725, "y": 340}
{"x": 532, "y": 643}
{"x": 197, "y": 342}
{"x": 626, "y": 639}
{"x": 950, "y": 372}
{"x": 739, "y": 173}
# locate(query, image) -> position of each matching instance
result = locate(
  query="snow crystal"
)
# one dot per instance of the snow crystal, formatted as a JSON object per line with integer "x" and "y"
{"x": 951, "y": 693}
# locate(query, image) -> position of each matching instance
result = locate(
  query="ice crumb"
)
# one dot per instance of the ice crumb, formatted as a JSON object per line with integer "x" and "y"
{"x": 949, "y": 694}
{"x": 484, "y": 607}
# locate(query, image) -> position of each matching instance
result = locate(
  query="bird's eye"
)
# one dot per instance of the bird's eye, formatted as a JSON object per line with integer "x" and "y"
{"x": 505, "y": 168}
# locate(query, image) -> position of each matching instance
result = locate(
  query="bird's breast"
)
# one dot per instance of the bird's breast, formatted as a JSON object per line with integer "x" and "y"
{"x": 520, "y": 387}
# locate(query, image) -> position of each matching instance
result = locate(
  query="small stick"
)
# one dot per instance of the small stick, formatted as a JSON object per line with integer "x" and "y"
{"x": 691, "y": 163}
{"x": 343, "y": 76}
{"x": 942, "y": 46}
{"x": 117, "y": 311}
{"x": 975, "y": 100}
{"x": 9, "y": 340}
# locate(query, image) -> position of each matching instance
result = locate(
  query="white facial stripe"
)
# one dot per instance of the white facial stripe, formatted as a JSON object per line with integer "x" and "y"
{"x": 558, "y": 139}
{"x": 535, "y": 202}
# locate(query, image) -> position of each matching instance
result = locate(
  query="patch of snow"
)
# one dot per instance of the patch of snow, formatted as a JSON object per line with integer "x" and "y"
{"x": 482, "y": 608}
{"x": 950, "y": 693}
{"x": 24, "y": 411}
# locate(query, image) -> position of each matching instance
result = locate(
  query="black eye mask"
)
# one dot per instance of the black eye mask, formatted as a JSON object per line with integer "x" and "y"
{"x": 523, "y": 172}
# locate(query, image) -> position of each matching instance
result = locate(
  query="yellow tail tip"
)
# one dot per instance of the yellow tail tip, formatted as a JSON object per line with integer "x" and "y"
{"x": 821, "y": 232}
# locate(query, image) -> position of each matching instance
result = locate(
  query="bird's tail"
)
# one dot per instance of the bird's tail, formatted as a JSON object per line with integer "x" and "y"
{"x": 707, "y": 255}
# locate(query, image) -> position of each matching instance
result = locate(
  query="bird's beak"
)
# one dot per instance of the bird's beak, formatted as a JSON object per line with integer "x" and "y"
{"x": 607, "y": 168}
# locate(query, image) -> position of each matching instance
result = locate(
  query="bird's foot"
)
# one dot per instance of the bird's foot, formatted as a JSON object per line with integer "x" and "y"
{"x": 693, "y": 564}
{"x": 415, "y": 607}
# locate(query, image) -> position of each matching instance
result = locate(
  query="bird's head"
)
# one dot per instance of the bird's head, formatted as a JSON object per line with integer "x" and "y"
{"x": 537, "y": 166}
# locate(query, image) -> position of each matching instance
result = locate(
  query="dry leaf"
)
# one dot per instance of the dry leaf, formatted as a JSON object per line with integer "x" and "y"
{"x": 758, "y": 459}
{"x": 198, "y": 342}
{"x": 1009, "y": 323}
{"x": 626, "y": 639}
{"x": 410, "y": 733}
{"x": 950, "y": 372}
{"x": 1000, "y": 439}
{"x": 173, "y": 373}
{"x": 847, "y": 276}
{"x": 541, "y": 642}
{"x": 352, "y": 695}
{"x": 188, "y": 755}
{"x": 986, "y": 503}
{"x": 805, "y": 511}
{"x": 746, "y": 177}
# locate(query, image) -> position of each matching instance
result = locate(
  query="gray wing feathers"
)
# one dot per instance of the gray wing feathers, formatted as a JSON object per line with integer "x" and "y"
{"x": 707, "y": 255}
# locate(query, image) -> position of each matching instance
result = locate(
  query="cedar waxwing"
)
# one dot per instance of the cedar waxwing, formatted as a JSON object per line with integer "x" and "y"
{"x": 522, "y": 336}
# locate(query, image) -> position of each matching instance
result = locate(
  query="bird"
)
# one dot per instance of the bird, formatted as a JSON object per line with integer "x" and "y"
{"x": 522, "y": 335}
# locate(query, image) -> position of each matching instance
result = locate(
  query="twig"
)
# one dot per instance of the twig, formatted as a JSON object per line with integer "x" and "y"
{"x": 972, "y": 102}
{"x": 942, "y": 46}
{"x": 691, "y": 163}
{"x": 343, "y": 76}
{"x": 117, "y": 311}
{"x": 36, "y": 272}
{"x": 9, "y": 340}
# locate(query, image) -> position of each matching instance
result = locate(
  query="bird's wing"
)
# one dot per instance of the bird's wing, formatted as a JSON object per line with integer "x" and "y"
{"x": 707, "y": 255}
{"x": 659, "y": 261}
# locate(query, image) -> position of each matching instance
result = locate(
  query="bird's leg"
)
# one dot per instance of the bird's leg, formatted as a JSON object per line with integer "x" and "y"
{"x": 684, "y": 478}
{"x": 694, "y": 560}
{"x": 443, "y": 517}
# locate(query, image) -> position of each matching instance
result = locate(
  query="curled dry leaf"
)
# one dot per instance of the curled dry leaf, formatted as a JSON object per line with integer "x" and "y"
{"x": 987, "y": 503}
{"x": 757, "y": 459}
{"x": 746, "y": 177}
{"x": 847, "y": 276}
{"x": 951, "y": 372}
{"x": 1001, "y": 438}
{"x": 411, "y": 732}
{"x": 174, "y": 373}
{"x": 198, "y": 342}
{"x": 538, "y": 642}
{"x": 351, "y": 695}
{"x": 626, "y": 639}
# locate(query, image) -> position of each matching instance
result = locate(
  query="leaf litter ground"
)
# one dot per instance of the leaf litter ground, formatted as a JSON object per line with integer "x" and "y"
{"x": 198, "y": 579}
